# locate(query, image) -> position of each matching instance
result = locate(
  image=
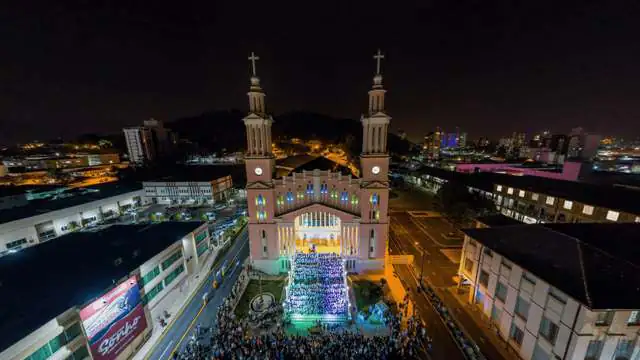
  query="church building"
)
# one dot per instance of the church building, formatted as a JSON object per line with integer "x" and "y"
{"x": 318, "y": 210}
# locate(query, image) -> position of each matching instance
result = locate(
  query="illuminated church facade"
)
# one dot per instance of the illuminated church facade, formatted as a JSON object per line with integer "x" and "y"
{"x": 318, "y": 210}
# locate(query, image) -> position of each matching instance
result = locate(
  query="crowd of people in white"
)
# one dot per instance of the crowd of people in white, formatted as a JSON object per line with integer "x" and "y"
{"x": 317, "y": 286}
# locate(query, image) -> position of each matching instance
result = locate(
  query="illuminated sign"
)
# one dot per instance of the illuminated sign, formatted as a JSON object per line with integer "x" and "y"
{"x": 114, "y": 320}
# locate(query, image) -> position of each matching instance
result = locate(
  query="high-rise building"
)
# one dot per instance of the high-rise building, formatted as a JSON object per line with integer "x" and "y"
{"x": 433, "y": 143}
{"x": 140, "y": 144}
{"x": 161, "y": 136}
{"x": 582, "y": 145}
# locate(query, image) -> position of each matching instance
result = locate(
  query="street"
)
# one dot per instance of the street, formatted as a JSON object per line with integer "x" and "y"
{"x": 437, "y": 250}
{"x": 176, "y": 337}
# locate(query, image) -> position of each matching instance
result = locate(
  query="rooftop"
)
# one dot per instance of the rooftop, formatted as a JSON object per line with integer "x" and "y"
{"x": 497, "y": 220}
{"x": 197, "y": 173}
{"x": 41, "y": 282}
{"x": 596, "y": 264}
{"x": 76, "y": 196}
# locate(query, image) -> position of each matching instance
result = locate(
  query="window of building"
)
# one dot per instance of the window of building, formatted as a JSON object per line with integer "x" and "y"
{"x": 540, "y": 354}
{"x": 261, "y": 215}
{"x": 290, "y": 197}
{"x": 260, "y": 201}
{"x": 587, "y": 210}
{"x": 528, "y": 278}
{"x": 522, "y": 308}
{"x": 634, "y": 318}
{"x": 593, "y": 350}
{"x": 534, "y": 197}
{"x": 152, "y": 293}
{"x": 499, "y": 188}
{"x": 146, "y": 278}
{"x": 548, "y": 330}
{"x": 171, "y": 259}
{"x": 72, "y": 331}
{"x": 484, "y": 278}
{"x": 16, "y": 244}
{"x": 501, "y": 291}
{"x": 81, "y": 353}
{"x": 568, "y": 204}
{"x": 604, "y": 318}
{"x": 516, "y": 334}
{"x": 612, "y": 215}
{"x": 637, "y": 219}
{"x": 521, "y": 193}
{"x": 309, "y": 189}
{"x": 495, "y": 313}
{"x": 550, "y": 200}
{"x": 468, "y": 265}
{"x": 557, "y": 295}
{"x": 173, "y": 275}
{"x": 510, "y": 191}
{"x": 505, "y": 264}
{"x": 374, "y": 200}
{"x": 624, "y": 350}
{"x": 344, "y": 197}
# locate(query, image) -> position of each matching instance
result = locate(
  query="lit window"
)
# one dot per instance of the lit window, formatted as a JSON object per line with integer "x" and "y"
{"x": 534, "y": 196}
{"x": 510, "y": 191}
{"x": 550, "y": 200}
{"x": 638, "y": 219}
{"x": 568, "y": 204}
{"x": 374, "y": 199}
{"x": 612, "y": 215}
{"x": 499, "y": 188}
{"x": 587, "y": 210}
{"x": 521, "y": 193}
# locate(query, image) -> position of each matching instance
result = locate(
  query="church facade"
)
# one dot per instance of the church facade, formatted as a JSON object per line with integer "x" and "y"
{"x": 317, "y": 210}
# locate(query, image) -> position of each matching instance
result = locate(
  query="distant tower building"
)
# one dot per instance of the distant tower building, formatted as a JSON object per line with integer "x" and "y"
{"x": 140, "y": 145}
{"x": 582, "y": 145}
{"x": 462, "y": 139}
{"x": 161, "y": 136}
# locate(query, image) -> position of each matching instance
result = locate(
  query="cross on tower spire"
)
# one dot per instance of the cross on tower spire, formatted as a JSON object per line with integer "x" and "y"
{"x": 378, "y": 58}
{"x": 253, "y": 59}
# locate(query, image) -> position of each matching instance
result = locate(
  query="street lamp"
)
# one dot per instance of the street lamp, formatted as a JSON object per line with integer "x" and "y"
{"x": 422, "y": 262}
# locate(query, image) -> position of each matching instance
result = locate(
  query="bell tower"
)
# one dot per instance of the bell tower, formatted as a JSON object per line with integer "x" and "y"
{"x": 260, "y": 165}
{"x": 374, "y": 182}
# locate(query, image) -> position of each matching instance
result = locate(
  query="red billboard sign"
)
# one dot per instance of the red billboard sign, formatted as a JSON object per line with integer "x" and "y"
{"x": 114, "y": 320}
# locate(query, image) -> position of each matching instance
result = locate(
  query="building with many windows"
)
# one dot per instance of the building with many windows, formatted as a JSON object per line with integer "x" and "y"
{"x": 558, "y": 291}
{"x": 532, "y": 199}
{"x": 193, "y": 185}
{"x": 50, "y": 293}
{"x": 140, "y": 146}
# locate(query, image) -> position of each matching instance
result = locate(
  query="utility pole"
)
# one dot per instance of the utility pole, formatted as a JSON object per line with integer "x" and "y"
{"x": 421, "y": 269}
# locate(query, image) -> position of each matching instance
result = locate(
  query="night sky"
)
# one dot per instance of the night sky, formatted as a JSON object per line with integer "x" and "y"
{"x": 489, "y": 67}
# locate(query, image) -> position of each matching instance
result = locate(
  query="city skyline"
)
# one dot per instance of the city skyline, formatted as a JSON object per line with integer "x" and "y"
{"x": 101, "y": 68}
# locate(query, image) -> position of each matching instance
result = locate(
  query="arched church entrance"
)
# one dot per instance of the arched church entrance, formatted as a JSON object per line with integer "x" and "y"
{"x": 318, "y": 231}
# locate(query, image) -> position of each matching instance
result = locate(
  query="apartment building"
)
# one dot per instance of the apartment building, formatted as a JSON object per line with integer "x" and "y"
{"x": 531, "y": 199}
{"x": 191, "y": 185}
{"x": 558, "y": 291}
{"x": 140, "y": 145}
{"x": 72, "y": 314}
{"x": 560, "y": 201}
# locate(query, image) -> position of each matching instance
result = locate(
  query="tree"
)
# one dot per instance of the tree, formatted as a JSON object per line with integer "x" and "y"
{"x": 458, "y": 204}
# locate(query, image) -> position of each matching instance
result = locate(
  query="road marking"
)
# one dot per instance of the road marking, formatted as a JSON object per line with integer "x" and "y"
{"x": 166, "y": 348}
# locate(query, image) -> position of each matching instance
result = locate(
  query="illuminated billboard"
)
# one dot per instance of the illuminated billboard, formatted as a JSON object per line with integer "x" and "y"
{"x": 112, "y": 321}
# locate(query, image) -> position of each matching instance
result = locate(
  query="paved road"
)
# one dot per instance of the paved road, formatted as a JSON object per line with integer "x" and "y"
{"x": 409, "y": 238}
{"x": 176, "y": 337}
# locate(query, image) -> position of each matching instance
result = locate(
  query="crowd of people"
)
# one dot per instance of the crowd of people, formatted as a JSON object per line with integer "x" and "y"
{"x": 230, "y": 338}
{"x": 317, "y": 286}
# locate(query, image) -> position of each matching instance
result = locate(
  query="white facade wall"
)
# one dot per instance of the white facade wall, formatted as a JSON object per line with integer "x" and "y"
{"x": 166, "y": 192}
{"x": 26, "y": 228}
{"x": 139, "y": 144}
{"x": 576, "y": 323}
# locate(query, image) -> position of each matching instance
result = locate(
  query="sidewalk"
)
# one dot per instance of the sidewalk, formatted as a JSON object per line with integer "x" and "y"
{"x": 173, "y": 303}
{"x": 475, "y": 324}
